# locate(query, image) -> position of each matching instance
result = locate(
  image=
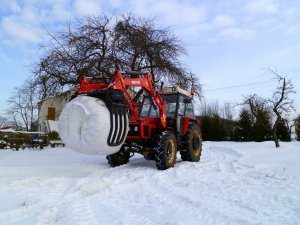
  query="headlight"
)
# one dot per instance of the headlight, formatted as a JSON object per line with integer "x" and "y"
{"x": 136, "y": 128}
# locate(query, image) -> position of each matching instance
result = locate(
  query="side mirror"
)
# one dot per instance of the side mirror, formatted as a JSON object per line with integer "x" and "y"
{"x": 187, "y": 100}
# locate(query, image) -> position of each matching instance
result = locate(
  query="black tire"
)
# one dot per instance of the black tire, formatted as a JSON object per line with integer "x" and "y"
{"x": 192, "y": 144}
{"x": 149, "y": 156}
{"x": 166, "y": 150}
{"x": 119, "y": 158}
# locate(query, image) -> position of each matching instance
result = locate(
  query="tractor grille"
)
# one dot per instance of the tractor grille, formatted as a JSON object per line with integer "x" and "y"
{"x": 146, "y": 131}
{"x": 134, "y": 130}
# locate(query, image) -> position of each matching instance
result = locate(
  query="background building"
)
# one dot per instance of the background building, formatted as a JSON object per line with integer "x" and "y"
{"x": 50, "y": 109}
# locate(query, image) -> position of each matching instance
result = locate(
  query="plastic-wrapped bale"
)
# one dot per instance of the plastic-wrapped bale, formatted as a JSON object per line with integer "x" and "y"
{"x": 85, "y": 126}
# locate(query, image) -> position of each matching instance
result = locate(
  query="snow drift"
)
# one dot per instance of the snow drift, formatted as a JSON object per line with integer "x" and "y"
{"x": 84, "y": 126}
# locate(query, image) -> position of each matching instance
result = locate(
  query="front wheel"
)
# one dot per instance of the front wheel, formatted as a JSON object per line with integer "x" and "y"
{"x": 192, "y": 145}
{"x": 166, "y": 150}
{"x": 119, "y": 158}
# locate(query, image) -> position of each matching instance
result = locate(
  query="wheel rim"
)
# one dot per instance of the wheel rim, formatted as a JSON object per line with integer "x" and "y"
{"x": 196, "y": 144}
{"x": 170, "y": 151}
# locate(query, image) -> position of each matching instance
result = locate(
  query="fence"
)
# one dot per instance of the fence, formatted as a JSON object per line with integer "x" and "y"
{"x": 21, "y": 139}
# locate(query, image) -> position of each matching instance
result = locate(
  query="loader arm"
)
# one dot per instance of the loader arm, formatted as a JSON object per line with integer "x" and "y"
{"x": 138, "y": 79}
{"x": 121, "y": 82}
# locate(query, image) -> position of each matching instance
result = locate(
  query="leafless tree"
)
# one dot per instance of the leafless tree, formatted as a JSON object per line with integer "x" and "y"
{"x": 82, "y": 50}
{"x": 256, "y": 104}
{"x": 297, "y": 127}
{"x": 140, "y": 45}
{"x": 281, "y": 101}
{"x": 3, "y": 121}
{"x": 262, "y": 116}
{"x": 292, "y": 125}
{"x": 227, "y": 111}
{"x": 228, "y": 122}
{"x": 210, "y": 109}
{"x": 22, "y": 105}
{"x": 96, "y": 44}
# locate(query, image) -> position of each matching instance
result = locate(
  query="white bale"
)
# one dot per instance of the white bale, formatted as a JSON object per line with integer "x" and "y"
{"x": 84, "y": 126}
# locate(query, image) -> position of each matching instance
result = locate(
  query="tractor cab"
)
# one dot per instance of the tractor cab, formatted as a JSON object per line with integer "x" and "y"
{"x": 178, "y": 104}
{"x": 179, "y": 109}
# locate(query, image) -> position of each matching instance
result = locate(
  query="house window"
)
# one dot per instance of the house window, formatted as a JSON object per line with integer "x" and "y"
{"x": 51, "y": 113}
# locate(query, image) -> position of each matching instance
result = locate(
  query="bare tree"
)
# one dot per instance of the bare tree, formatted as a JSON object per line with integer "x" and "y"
{"x": 210, "y": 109}
{"x": 261, "y": 112}
{"x": 82, "y": 50}
{"x": 22, "y": 105}
{"x": 228, "y": 122}
{"x": 256, "y": 104}
{"x": 281, "y": 101}
{"x": 297, "y": 127}
{"x": 227, "y": 111}
{"x": 3, "y": 121}
{"x": 140, "y": 45}
{"x": 95, "y": 45}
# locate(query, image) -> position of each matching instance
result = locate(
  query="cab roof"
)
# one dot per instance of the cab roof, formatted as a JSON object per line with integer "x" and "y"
{"x": 176, "y": 90}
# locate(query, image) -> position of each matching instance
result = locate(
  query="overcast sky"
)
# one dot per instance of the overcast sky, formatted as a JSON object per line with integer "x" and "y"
{"x": 230, "y": 43}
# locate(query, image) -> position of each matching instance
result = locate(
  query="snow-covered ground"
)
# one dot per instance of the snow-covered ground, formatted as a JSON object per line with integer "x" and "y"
{"x": 234, "y": 183}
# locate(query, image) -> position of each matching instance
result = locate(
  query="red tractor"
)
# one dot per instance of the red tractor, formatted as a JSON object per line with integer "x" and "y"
{"x": 161, "y": 122}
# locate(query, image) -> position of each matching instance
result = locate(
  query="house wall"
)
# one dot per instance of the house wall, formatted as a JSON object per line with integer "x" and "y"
{"x": 56, "y": 103}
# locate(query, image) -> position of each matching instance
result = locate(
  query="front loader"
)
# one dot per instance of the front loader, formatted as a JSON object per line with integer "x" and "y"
{"x": 156, "y": 123}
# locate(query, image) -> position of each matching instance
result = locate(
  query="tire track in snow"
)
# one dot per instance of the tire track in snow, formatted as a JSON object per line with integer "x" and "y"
{"x": 109, "y": 194}
{"x": 125, "y": 191}
{"x": 78, "y": 210}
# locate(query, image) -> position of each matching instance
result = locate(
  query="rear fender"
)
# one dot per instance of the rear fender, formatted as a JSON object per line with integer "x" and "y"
{"x": 185, "y": 121}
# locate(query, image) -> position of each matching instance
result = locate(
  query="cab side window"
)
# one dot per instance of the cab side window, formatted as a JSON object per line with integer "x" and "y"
{"x": 189, "y": 109}
{"x": 181, "y": 106}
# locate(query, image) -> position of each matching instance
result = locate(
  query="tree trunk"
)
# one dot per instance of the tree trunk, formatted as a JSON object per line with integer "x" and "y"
{"x": 275, "y": 134}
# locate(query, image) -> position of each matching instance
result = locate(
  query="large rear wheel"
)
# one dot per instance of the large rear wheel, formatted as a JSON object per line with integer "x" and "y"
{"x": 166, "y": 150}
{"x": 192, "y": 145}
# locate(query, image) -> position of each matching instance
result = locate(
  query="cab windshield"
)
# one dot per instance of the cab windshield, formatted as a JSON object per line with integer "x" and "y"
{"x": 150, "y": 110}
{"x": 171, "y": 103}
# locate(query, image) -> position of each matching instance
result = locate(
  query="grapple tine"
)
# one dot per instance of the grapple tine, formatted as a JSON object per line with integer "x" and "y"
{"x": 112, "y": 129}
{"x": 119, "y": 125}
{"x": 125, "y": 129}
